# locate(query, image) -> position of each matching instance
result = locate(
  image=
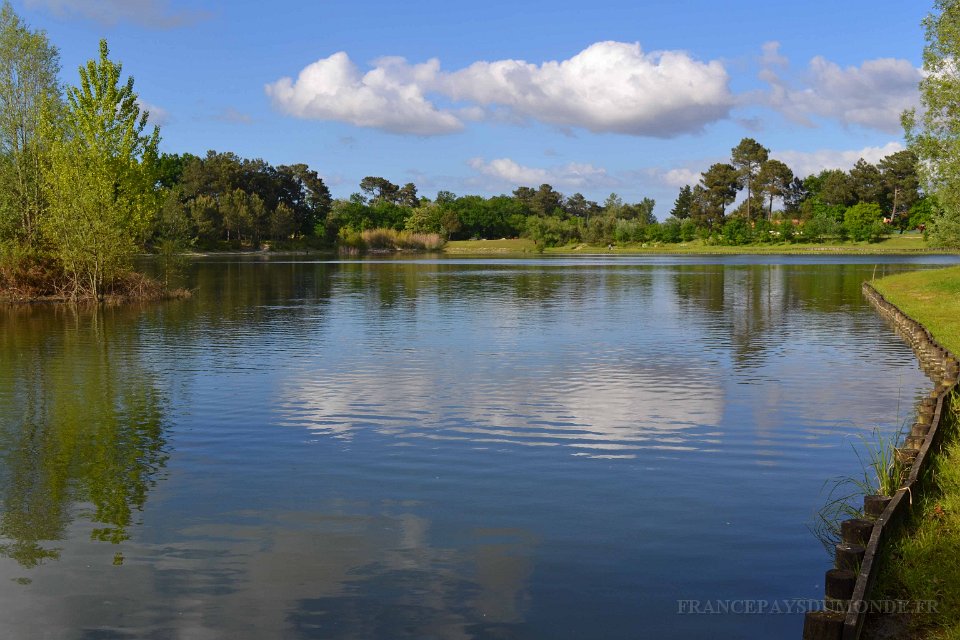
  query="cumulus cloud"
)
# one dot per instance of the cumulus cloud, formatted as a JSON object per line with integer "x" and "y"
{"x": 610, "y": 87}
{"x": 388, "y": 97}
{"x": 607, "y": 87}
{"x": 677, "y": 177}
{"x": 805, "y": 163}
{"x": 871, "y": 95}
{"x": 149, "y": 13}
{"x": 507, "y": 172}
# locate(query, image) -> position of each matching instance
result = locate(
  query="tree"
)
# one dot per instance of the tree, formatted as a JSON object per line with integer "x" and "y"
{"x": 306, "y": 195}
{"x": 681, "y": 206}
{"x": 720, "y": 188}
{"x": 282, "y": 222}
{"x": 546, "y": 201}
{"x": 795, "y": 196}
{"x": 379, "y": 189}
{"x": 577, "y": 206}
{"x": 934, "y": 134}
{"x": 747, "y": 158}
{"x": 101, "y": 179}
{"x": 642, "y": 212}
{"x": 832, "y": 186}
{"x": 613, "y": 205}
{"x": 407, "y": 196}
{"x": 866, "y": 183}
{"x": 901, "y": 184}
{"x": 774, "y": 180}
{"x": 29, "y": 65}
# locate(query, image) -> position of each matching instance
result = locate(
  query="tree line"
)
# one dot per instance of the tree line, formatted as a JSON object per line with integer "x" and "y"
{"x": 83, "y": 186}
{"x": 864, "y": 204}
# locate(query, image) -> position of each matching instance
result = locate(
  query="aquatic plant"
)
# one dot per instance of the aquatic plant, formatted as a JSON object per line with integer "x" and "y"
{"x": 882, "y": 473}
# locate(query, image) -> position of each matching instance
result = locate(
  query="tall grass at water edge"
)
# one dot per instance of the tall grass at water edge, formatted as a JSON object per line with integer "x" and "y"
{"x": 390, "y": 240}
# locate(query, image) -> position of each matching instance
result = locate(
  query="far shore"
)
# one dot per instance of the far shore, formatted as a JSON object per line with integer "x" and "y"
{"x": 906, "y": 244}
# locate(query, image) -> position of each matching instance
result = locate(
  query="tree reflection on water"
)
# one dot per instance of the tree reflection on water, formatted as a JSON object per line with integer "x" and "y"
{"x": 81, "y": 428}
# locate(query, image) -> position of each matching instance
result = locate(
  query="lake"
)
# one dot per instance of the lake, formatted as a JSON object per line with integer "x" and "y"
{"x": 440, "y": 448}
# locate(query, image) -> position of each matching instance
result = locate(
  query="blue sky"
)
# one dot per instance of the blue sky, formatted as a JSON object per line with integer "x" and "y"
{"x": 629, "y": 97}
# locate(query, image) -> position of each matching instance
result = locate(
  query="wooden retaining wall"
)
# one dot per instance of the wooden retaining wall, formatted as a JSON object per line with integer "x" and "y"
{"x": 848, "y": 584}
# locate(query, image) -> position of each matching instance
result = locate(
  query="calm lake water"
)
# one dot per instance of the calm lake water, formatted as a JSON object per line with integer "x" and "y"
{"x": 553, "y": 448}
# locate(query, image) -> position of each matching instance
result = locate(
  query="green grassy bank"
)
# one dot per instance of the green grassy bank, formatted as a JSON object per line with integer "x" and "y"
{"x": 931, "y": 297}
{"x": 898, "y": 244}
{"x": 923, "y": 564}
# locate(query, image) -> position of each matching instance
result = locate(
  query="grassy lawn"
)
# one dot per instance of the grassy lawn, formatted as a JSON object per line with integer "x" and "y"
{"x": 931, "y": 297}
{"x": 924, "y": 563}
{"x": 516, "y": 245}
{"x": 907, "y": 243}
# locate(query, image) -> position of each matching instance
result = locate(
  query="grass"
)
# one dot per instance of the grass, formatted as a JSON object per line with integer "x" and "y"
{"x": 883, "y": 474}
{"x": 923, "y": 564}
{"x": 931, "y": 297}
{"x": 504, "y": 245}
{"x": 896, "y": 244}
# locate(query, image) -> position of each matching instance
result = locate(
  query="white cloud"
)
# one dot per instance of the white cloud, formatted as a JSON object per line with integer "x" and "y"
{"x": 678, "y": 177}
{"x": 506, "y": 172}
{"x": 388, "y": 97}
{"x": 871, "y": 95}
{"x": 609, "y": 87}
{"x": 805, "y": 163}
{"x": 158, "y": 116}
{"x": 148, "y": 13}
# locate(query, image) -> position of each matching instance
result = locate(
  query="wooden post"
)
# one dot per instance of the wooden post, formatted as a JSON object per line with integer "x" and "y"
{"x": 823, "y": 625}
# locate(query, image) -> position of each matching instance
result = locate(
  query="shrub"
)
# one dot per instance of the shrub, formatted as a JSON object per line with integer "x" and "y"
{"x": 864, "y": 222}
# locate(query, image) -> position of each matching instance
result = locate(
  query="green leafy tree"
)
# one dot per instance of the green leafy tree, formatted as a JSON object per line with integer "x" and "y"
{"x": 934, "y": 134}
{"x": 238, "y": 215}
{"x": 613, "y": 205}
{"x": 866, "y": 182}
{"x": 642, "y": 211}
{"x": 546, "y": 201}
{"x": 832, "y": 187}
{"x": 206, "y": 218}
{"x": 747, "y": 158}
{"x": 794, "y": 197}
{"x": 101, "y": 179}
{"x": 683, "y": 203}
{"x": 379, "y": 189}
{"x": 29, "y": 89}
{"x": 773, "y": 181}
{"x": 670, "y": 230}
{"x": 720, "y": 188}
{"x": 407, "y": 196}
{"x": 282, "y": 222}
{"x": 922, "y": 212}
{"x": 425, "y": 219}
{"x": 577, "y": 206}
{"x": 821, "y": 225}
{"x": 902, "y": 185}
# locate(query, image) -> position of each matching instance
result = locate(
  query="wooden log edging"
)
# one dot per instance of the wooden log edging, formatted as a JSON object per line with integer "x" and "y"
{"x": 843, "y": 617}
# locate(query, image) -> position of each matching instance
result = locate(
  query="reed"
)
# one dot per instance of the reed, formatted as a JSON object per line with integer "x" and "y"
{"x": 392, "y": 240}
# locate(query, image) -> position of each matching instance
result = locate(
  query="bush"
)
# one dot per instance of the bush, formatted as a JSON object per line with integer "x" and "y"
{"x": 736, "y": 231}
{"x": 671, "y": 230}
{"x": 864, "y": 222}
